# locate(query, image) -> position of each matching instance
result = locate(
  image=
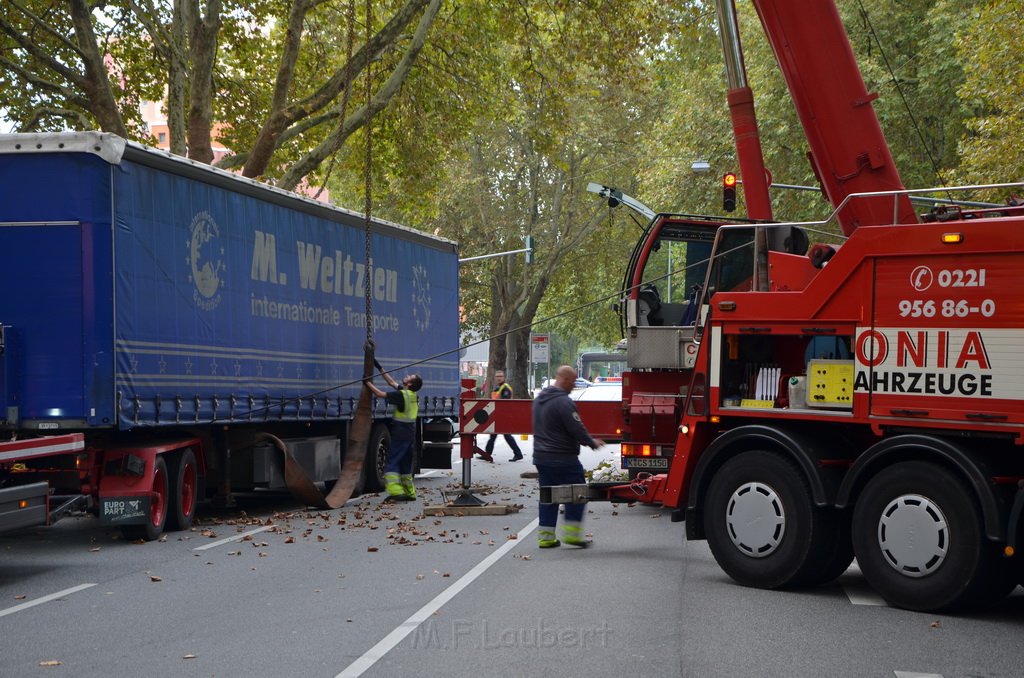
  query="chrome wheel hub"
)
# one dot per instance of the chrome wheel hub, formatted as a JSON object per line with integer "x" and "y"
{"x": 913, "y": 535}
{"x": 755, "y": 519}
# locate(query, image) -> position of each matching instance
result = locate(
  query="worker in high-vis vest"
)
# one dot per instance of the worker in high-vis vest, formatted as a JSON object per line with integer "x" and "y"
{"x": 398, "y": 470}
{"x": 502, "y": 391}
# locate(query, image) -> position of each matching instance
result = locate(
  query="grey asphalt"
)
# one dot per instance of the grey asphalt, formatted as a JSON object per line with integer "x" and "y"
{"x": 316, "y": 591}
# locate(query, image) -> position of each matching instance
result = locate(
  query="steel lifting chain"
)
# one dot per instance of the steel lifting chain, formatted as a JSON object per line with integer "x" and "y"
{"x": 368, "y": 176}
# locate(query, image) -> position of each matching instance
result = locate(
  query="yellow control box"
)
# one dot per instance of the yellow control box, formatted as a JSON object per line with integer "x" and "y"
{"x": 830, "y": 383}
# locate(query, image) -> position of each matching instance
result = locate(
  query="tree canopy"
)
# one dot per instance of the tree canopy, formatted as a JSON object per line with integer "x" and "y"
{"x": 487, "y": 119}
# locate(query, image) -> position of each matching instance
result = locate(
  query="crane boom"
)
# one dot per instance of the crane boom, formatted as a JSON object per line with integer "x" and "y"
{"x": 848, "y": 150}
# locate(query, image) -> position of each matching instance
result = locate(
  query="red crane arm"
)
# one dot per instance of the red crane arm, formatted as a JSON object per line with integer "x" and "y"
{"x": 848, "y": 149}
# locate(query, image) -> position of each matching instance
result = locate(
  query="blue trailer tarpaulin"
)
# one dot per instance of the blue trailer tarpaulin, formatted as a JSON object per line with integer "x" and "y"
{"x": 209, "y": 297}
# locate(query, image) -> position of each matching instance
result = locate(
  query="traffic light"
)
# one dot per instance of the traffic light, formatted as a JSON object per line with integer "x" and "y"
{"x": 529, "y": 249}
{"x": 729, "y": 192}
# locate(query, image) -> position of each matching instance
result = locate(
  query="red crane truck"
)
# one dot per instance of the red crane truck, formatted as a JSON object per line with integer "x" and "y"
{"x": 813, "y": 404}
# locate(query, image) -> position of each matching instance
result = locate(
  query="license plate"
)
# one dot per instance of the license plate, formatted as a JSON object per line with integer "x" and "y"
{"x": 658, "y": 463}
{"x": 128, "y": 510}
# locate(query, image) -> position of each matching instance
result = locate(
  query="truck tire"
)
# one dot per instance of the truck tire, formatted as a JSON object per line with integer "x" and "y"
{"x": 157, "y": 519}
{"x": 376, "y": 457}
{"x": 919, "y": 540}
{"x": 763, "y": 528}
{"x": 184, "y": 482}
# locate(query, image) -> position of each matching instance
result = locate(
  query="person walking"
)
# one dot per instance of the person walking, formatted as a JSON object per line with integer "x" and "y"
{"x": 398, "y": 470}
{"x": 502, "y": 391}
{"x": 558, "y": 433}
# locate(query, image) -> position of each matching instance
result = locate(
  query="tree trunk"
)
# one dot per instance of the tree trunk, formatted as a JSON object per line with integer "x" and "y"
{"x": 176, "y": 78}
{"x": 497, "y": 352}
{"x": 96, "y": 83}
{"x": 203, "y": 44}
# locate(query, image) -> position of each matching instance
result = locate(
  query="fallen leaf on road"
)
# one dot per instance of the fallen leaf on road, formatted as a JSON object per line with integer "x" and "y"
{"x": 50, "y": 662}
{"x": 936, "y": 624}
{"x": 94, "y": 549}
{"x": 289, "y": 540}
{"x": 19, "y": 597}
{"x": 188, "y": 656}
{"x": 153, "y": 577}
{"x": 371, "y": 549}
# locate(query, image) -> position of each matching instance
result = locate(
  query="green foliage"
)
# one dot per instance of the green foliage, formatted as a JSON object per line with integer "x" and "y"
{"x": 512, "y": 108}
{"x": 988, "y": 45}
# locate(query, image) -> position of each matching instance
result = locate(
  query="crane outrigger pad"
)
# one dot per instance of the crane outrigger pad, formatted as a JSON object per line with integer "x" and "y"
{"x": 470, "y": 510}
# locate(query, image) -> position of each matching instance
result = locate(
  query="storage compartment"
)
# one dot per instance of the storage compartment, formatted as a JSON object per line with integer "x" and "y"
{"x": 830, "y": 383}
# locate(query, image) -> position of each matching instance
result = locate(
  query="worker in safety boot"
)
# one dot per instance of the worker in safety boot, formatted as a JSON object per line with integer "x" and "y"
{"x": 398, "y": 471}
{"x": 558, "y": 433}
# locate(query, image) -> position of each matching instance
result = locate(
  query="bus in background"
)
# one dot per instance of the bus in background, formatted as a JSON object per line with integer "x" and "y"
{"x": 601, "y": 366}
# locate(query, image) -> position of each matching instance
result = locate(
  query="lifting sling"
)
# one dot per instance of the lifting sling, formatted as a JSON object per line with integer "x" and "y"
{"x": 348, "y": 483}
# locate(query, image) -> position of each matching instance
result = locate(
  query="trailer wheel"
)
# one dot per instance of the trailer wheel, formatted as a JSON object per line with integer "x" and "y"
{"x": 763, "y": 527}
{"x": 157, "y": 519}
{"x": 184, "y": 490}
{"x": 376, "y": 457}
{"x": 917, "y": 533}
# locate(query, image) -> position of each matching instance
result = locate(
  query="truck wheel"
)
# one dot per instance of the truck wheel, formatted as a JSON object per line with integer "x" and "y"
{"x": 376, "y": 458}
{"x": 154, "y": 525}
{"x": 184, "y": 489}
{"x": 763, "y": 527}
{"x": 917, "y": 533}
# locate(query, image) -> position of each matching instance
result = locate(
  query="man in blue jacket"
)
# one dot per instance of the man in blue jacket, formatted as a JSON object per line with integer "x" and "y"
{"x": 558, "y": 433}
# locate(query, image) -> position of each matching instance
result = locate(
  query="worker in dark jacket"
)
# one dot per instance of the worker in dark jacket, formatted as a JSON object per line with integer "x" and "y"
{"x": 558, "y": 433}
{"x": 398, "y": 471}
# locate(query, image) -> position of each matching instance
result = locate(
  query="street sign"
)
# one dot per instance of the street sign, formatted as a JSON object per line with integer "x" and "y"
{"x": 539, "y": 348}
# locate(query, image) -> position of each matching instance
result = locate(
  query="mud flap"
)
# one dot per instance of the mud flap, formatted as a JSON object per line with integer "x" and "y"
{"x": 295, "y": 477}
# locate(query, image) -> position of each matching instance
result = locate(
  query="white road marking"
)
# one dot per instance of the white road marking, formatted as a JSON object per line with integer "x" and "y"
{"x": 375, "y": 653}
{"x": 857, "y": 589}
{"x": 45, "y": 599}
{"x": 915, "y": 674}
{"x": 228, "y": 540}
